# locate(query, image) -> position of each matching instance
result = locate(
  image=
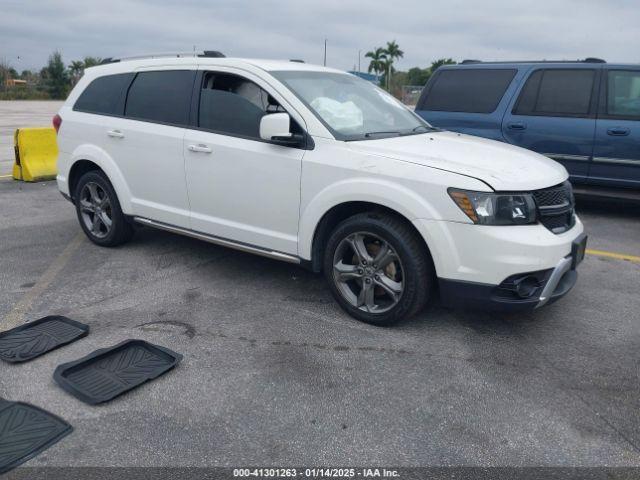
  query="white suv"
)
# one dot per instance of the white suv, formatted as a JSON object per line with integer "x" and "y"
{"x": 314, "y": 166}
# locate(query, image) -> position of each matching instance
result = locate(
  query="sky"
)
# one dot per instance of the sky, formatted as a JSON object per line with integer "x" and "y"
{"x": 425, "y": 29}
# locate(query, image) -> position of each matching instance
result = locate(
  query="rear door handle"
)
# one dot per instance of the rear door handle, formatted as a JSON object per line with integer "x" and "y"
{"x": 516, "y": 126}
{"x": 202, "y": 148}
{"x": 618, "y": 131}
{"x": 115, "y": 134}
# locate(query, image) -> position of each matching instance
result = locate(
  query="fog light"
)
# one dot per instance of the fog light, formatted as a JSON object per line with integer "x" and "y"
{"x": 526, "y": 287}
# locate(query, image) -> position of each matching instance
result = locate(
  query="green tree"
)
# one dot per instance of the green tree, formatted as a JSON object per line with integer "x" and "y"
{"x": 393, "y": 53}
{"x": 378, "y": 58}
{"x": 76, "y": 69}
{"x": 442, "y": 61}
{"x": 418, "y": 76}
{"x": 91, "y": 61}
{"x": 56, "y": 77}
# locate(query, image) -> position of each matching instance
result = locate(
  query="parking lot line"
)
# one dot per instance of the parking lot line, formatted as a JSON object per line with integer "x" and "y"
{"x": 16, "y": 316}
{"x": 6, "y": 176}
{"x": 619, "y": 256}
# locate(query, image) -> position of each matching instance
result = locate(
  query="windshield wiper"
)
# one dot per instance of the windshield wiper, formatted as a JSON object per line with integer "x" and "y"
{"x": 371, "y": 134}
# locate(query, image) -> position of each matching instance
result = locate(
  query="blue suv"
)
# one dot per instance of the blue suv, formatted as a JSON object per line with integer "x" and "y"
{"x": 585, "y": 114}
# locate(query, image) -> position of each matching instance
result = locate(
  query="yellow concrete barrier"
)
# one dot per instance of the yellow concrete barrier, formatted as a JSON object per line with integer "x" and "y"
{"x": 36, "y": 152}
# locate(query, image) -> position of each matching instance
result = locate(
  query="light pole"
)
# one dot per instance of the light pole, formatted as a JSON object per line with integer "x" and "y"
{"x": 325, "y": 52}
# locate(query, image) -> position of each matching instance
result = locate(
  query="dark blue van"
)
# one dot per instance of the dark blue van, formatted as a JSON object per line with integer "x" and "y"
{"x": 585, "y": 115}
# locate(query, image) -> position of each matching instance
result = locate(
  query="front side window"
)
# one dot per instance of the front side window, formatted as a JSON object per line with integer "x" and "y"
{"x": 557, "y": 92}
{"x": 161, "y": 96}
{"x": 467, "y": 90}
{"x": 104, "y": 94}
{"x": 351, "y": 108}
{"x": 233, "y": 105}
{"x": 623, "y": 94}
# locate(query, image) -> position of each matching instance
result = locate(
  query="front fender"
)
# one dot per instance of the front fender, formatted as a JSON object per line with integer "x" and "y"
{"x": 378, "y": 191}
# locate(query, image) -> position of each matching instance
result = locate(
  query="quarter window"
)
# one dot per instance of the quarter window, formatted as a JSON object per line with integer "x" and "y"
{"x": 162, "y": 96}
{"x": 623, "y": 94}
{"x": 104, "y": 95}
{"x": 467, "y": 90}
{"x": 557, "y": 92}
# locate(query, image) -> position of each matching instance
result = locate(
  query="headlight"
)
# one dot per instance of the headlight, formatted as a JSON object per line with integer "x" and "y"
{"x": 496, "y": 208}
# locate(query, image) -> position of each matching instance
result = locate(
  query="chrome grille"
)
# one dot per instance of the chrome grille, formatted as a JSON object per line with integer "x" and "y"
{"x": 556, "y": 207}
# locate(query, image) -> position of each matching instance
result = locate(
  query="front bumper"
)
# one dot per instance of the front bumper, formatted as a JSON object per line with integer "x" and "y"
{"x": 482, "y": 266}
{"x": 556, "y": 284}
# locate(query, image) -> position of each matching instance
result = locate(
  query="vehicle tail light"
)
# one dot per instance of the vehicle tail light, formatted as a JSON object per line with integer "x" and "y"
{"x": 57, "y": 121}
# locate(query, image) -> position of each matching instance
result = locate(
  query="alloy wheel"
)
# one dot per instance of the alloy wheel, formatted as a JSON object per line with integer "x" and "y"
{"x": 368, "y": 272}
{"x": 95, "y": 208}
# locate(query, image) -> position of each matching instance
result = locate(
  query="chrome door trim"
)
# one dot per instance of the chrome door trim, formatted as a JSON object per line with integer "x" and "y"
{"x": 562, "y": 156}
{"x": 219, "y": 241}
{"x": 617, "y": 161}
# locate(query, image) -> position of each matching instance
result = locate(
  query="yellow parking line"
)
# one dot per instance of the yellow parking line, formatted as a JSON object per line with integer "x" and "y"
{"x": 618, "y": 256}
{"x": 16, "y": 316}
{"x": 6, "y": 176}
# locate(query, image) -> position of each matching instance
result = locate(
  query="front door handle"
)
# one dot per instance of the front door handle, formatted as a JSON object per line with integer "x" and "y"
{"x": 202, "y": 148}
{"x": 516, "y": 126}
{"x": 115, "y": 134}
{"x": 618, "y": 131}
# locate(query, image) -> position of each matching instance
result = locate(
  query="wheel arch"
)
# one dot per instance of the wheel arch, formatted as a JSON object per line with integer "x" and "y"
{"x": 88, "y": 158}
{"x": 341, "y": 212}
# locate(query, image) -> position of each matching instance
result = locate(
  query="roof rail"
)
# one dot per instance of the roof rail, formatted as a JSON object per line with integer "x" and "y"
{"x": 296, "y": 60}
{"x": 205, "y": 54}
{"x": 586, "y": 60}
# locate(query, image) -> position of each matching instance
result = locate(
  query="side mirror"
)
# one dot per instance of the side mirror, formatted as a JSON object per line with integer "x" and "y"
{"x": 275, "y": 126}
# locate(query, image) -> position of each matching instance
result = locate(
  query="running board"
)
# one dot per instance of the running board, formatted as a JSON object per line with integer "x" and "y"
{"x": 243, "y": 247}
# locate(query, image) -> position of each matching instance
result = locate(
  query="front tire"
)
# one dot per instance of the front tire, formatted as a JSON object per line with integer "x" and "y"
{"x": 378, "y": 268}
{"x": 99, "y": 211}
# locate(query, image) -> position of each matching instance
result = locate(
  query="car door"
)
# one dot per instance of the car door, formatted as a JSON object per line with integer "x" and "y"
{"x": 616, "y": 156}
{"x": 149, "y": 142}
{"x": 554, "y": 115}
{"x": 240, "y": 187}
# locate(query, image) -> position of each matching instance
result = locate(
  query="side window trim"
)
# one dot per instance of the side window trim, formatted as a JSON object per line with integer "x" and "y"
{"x": 593, "y": 99}
{"x": 603, "y": 113}
{"x": 195, "y": 109}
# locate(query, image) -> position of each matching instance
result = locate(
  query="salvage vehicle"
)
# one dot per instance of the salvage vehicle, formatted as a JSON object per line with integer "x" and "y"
{"x": 317, "y": 167}
{"x": 583, "y": 114}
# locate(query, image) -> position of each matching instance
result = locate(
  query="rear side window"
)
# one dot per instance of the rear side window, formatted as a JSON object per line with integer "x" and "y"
{"x": 162, "y": 96}
{"x": 467, "y": 90}
{"x": 623, "y": 94}
{"x": 557, "y": 92}
{"x": 104, "y": 95}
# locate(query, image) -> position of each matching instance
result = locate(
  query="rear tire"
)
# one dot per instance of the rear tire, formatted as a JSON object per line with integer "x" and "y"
{"x": 378, "y": 268}
{"x": 99, "y": 211}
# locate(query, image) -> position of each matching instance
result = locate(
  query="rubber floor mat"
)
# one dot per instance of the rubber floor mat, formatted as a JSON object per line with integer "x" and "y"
{"x": 25, "y": 431}
{"x": 36, "y": 338}
{"x": 109, "y": 372}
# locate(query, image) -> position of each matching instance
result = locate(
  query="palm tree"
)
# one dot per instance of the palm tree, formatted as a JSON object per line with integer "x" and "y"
{"x": 393, "y": 53}
{"x": 76, "y": 69}
{"x": 378, "y": 60}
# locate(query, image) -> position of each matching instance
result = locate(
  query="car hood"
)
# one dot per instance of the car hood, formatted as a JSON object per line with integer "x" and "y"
{"x": 500, "y": 165}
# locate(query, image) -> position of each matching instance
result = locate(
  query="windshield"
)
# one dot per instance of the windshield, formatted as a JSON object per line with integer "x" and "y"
{"x": 352, "y": 108}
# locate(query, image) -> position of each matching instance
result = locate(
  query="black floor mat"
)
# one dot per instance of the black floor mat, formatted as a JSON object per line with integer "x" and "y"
{"x": 109, "y": 372}
{"x": 36, "y": 338}
{"x": 25, "y": 431}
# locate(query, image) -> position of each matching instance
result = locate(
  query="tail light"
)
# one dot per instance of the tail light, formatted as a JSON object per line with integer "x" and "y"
{"x": 57, "y": 121}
